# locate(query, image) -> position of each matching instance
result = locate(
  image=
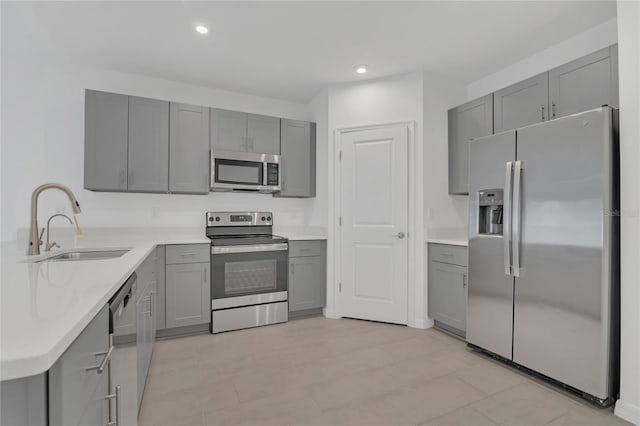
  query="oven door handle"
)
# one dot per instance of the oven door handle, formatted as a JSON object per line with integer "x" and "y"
{"x": 249, "y": 248}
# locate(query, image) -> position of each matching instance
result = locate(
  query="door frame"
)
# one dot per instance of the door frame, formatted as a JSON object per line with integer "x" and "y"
{"x": 414, "y": 238}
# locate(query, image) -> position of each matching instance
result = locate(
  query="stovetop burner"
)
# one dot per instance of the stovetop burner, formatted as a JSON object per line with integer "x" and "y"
{"x": 241, "y": 228}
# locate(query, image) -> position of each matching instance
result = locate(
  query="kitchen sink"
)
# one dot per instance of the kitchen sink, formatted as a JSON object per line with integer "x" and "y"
{"x": 85, "y": 255}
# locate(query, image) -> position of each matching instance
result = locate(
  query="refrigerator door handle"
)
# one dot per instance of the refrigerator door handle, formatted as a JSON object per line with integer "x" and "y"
{"x": 516, "y": 217}
{"x": 506, "y": 218}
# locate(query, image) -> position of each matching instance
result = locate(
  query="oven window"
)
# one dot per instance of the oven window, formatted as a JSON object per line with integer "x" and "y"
{"x": 250, "y": 276}
{"x": 240, "y": 172}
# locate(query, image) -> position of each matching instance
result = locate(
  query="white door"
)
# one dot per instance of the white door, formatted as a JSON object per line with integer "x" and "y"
{"x": 374, "y": 188}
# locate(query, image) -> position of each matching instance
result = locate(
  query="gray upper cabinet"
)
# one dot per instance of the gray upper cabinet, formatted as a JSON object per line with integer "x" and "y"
{"x": 521, "y": 104}
{"x": 263, "y": 134}
{"x": 242, "y": 132}
{"x": 189, "y": 149}
{"x": 105, "y": 141}
{"x": 298, "y": 163}
{"x": 471, "y": 120}
{"x": 228, "y": 130}
{"x": 148, "y": 165}
{"x": 584, "y": 84}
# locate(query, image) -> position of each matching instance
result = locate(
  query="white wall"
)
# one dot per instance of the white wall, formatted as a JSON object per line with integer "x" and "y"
{"x": 441, "y": 209}
{"x": 43, "y": 141}
{"x": 628, "y": 406}
{"x": 387, "y": 100}
{"x": 319, "y": 112}
{"x": 589, "y": 41}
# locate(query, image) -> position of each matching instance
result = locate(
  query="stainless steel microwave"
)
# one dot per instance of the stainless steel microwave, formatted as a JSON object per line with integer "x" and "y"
{"x": 245, "y": 171}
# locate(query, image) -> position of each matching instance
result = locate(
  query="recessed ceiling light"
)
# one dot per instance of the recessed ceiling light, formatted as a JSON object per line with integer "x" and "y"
{"x": 361, "y": 69}
{"x": 202, "y": 29}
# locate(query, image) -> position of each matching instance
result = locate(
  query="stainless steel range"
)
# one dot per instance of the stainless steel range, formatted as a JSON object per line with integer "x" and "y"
{"x": 249, "y": 271}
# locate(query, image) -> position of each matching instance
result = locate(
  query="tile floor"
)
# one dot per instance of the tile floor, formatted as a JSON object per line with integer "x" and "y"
{"x": 320, "y": 372}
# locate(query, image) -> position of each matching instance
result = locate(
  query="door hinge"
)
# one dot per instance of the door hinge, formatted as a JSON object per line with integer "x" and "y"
{"x": 340, "y": 287}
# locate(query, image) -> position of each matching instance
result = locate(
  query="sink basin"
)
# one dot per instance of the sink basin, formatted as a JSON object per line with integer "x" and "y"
{"x": 84, "y": 255}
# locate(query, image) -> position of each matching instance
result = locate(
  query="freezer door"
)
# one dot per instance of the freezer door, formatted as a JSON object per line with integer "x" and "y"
{"x": 563, "y": 297}
{"x": 490, "y": 297}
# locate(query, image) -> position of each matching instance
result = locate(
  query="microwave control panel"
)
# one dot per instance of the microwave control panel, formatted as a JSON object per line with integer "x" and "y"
{"x": 272, "y": 174}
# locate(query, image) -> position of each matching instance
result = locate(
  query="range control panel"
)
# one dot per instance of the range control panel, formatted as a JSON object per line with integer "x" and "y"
{"x": 239, "y": 219}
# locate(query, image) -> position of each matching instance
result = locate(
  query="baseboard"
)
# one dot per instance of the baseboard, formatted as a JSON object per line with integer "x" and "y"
{"x": 420, "y": 323}
{"x": 168, "y": 333}
{"x": 329, "y": 313}
{"x": 629, "y": 412}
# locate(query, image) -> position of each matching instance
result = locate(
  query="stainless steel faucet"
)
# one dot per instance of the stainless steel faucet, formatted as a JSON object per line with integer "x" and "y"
{"x": 34, "y": 239}
{"x": 48, "y": 246}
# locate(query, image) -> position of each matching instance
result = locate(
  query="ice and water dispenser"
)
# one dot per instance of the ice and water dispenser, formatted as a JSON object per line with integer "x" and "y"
{"x": 490, "y": 203}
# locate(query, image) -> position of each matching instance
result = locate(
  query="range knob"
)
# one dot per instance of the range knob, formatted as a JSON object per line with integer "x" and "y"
{"x": 263, "y": 218}
{"x": 210, "y": 219}
{"x": 269, "y": 218}
{"x": 217, "y": 218}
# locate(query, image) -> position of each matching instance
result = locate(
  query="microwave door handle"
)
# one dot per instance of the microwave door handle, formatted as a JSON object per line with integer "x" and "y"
{"x": 264, "y": 173}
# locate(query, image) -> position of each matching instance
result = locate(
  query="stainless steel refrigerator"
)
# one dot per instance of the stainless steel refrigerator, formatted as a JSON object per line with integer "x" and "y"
{"x": 543, "y": 250}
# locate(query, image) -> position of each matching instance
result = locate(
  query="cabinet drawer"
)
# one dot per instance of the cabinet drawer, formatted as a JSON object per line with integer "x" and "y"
{"x": 187, "y": 253}
{"x": 454, "y": 255}
{"x": 305, "y": 248}
{"x": 73, "y": 379}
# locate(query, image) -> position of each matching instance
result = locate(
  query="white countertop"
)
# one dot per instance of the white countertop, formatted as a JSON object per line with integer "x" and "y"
{"x": 451, "y": 236}
{"x": 45, "y": 306}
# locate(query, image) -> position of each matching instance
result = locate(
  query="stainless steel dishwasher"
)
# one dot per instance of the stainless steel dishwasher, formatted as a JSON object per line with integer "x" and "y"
{"x": 123, "y": 378}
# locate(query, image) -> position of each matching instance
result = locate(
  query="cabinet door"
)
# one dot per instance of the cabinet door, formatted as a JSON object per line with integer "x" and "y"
{"x": 96, "y": 411}
{"x": 471, "y": 120}
{"x": 73, "y": 379}
{"x": 228, "y": 130}
{"x": 188, "y": 296}
{"x": 584, "y": 84}
{"x": 306, "y": 286}
{"x": 521, "y": 104}
{"x": 298, "y": 161}
{"x": 189, "y": 149}
{"x": 148, "y": 145}
{"x": 142, "y": 325}
{"x": 106, "y": 117}
{"x": 264, "y": 134}
{"x": 159, "y": 310}
{"x": 448, "y": 294}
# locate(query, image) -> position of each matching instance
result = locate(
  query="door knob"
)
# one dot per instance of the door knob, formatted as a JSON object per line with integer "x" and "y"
{"x": 400, "y": 235}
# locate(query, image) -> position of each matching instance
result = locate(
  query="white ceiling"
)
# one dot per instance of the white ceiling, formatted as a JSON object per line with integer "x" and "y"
{"x": 290, "y": 50}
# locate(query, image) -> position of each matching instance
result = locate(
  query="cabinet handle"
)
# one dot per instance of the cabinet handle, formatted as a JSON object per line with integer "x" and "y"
{"x": 553, "y": 110}
{"x": 115, "y": 396}
{"x": 121, "y": 179}
{"x": 130, "y": 178}
{"x": 542, "y": 109}
{"x": 464, "y": 280}
{"x": 293, "y": 269}
{"x": 187, "y": 254}
{"x": 204, "y": 275}
{"x": 100, "y": 368}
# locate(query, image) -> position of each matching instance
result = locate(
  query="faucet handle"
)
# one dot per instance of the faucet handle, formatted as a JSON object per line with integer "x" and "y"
{"x": 51, "y": 245}
{"x": 40, "y": 237}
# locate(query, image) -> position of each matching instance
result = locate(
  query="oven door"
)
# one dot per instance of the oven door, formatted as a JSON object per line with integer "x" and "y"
{"x": 245, "y": 275}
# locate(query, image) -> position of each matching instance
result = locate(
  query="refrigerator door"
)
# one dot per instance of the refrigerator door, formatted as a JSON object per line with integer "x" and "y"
{"x": 562, "y": 303}
{"x": 490, "y": 297}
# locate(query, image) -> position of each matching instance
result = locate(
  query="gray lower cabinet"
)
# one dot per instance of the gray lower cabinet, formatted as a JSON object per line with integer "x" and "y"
{"x": 448, "y": 287}
{"x": 188, "y": 297}
{"x": 307, "y": 277}
{"x": 189, "y": 149}
{"x": 106, "y": 117}
{"x": 148, "y": 162}
{"x": 521, "y": 104}
{"x": 187, "y": 287}
{"x": 466, "y": 122}
{"x": 584, "y": 84}
{"x": 298, "y": 162}
{"x": 77, "y": 388}
{"x": 145, "y": 321}
{"x": 263, "y": 134}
